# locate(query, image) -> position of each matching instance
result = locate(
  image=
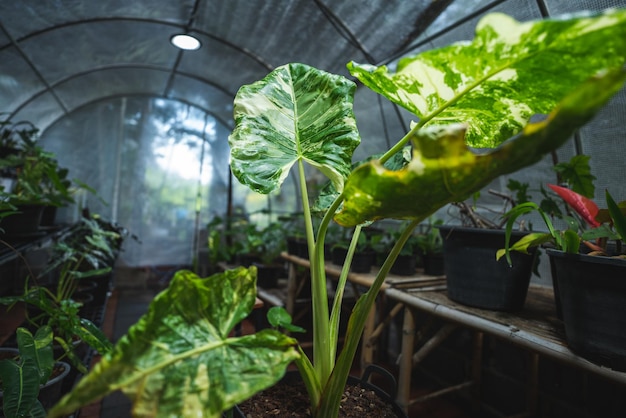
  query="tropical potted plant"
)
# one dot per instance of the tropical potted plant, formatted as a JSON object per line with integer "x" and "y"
{"x": 409, "y": 257}
{"x": 38, "y": 180}
{"x": 82, "y": 255}
{"x": 590, "y": 289}
{"x": 299, "y": 114}
{"x": 31, "y": 382}
{"x": 272, "y": 241}
{"x": 474, "y": 276}
{"x": 431, "y": 246}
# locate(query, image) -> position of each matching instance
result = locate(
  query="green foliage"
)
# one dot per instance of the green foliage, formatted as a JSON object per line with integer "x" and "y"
{"x": 264, "y": 243}
{"x": 519, "y": 189}
{"x": 431, "y": 242}
{"x": 87, "y": 252}
{"x": 608, "y": 224}
{"x": 38, "y": 177}
{"x": 278, "y": 317}
{"x": 180, "y": 360}
{"x": 21, "y": 378}
{"x": 576, "y": 173}
{"x": 478, "y": 94}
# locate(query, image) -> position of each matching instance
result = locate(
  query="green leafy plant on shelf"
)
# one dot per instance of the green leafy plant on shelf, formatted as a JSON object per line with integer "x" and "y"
{"x": 600, "y": 226}
{"x": 479, "y": 95}
{"x": 22, "y": 377}
{"x": 574, "y": 174}
{"x": 86, "y": 252}
{"x": 39, "y": 179}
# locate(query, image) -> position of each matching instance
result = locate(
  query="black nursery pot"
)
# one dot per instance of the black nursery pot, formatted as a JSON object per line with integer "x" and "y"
{"x": 362, "y": 262}
{"x": 25, "y": 222}
{"x": 268, "y": 274}
{"x": 434, "y": 264}
{"x": 338, "y": 255}
{"x": 298, "y": 247}
{"x": 474, "y": 276}
{"x": 404, "y": 265}
{"x": 592, "y": 294}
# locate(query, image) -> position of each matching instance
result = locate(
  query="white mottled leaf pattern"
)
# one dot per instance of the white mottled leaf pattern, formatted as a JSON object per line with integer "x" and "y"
{"x": 295, "y": 112}
{"x": 509, "y": 72}
{"x": 444, "y": 169}
{"x": 179, "y": 361}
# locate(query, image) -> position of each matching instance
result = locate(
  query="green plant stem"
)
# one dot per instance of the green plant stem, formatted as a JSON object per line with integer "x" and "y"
{"x": 320, "y": 276}
{"x": 401, "y": 143}
{"x": 67, "y": 283}
{"x": 330, "y": 401}
{"x": 321, "y": 359}
{"x": 341, "y": 284}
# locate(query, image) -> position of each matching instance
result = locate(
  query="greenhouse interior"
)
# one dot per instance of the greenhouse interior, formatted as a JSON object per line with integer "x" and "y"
{"x": 292, "y": 208}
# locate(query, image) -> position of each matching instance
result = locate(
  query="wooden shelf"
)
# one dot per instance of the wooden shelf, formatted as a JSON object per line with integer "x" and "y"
{"x": 535, "y": 328}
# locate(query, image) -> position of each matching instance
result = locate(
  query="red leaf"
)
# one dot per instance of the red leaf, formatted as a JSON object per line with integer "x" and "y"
{"x": 584, "y": 206}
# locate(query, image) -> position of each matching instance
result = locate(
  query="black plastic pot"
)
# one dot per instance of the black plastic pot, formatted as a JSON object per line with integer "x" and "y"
{"x": 434, "y": 264}
{"x": 475, "y": 278}
{"x": 297, "y": 246}
{"x": 592, "y": 294}
{"x": 268, "y": 274}
{"x": 51, "y": 392}
{"x": 362, "y": 262}
{"x": 389, "y": 398}
{"x": 404, "y": 265}
{"x": 339, "y": 256}
{"x": 49, "y": 215}
{"x": 25, "y": 223}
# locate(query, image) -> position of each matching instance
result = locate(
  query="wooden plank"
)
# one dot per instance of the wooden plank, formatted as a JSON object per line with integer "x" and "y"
{"x": 535, "y": 327}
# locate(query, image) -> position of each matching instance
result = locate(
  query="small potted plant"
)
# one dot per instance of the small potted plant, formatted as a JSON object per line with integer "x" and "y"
{"x": 430, "y": 243}
{"x": 82, "y": 255}
{"x": 590, "y": 290}
{"x": 37, "y": 179}
{"x": 31, "y": 382}
{"x": 299, "y": 114}
{"x": 272, "y": 242}
{"x": 474, "y": 276}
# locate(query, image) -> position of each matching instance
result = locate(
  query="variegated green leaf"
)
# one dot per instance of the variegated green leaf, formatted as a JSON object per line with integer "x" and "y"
{"x": 179, "y": 361}
{"x": 509, "y": 72}
{"x": 295, "y": 112}
{"x": 444, "y": 169}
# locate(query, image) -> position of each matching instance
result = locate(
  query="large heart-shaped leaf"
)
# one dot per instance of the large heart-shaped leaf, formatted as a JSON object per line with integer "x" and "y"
{"x": 179, "y": 360}
{"x": 508, "y": 73}
{"x": 295, "y": 112}
{"x": 444, "y": 169}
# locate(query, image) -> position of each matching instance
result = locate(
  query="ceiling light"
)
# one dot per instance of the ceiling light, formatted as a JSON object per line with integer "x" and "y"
{"x": 185, "y": 41}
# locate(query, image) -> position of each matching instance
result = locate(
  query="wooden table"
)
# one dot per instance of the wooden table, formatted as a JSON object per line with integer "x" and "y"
{"x": 535, "y": 328}
{"x": 375, "y": 322}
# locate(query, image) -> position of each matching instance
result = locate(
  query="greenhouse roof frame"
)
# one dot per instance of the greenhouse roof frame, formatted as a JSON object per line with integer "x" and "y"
{"x": 58, "y": 56}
